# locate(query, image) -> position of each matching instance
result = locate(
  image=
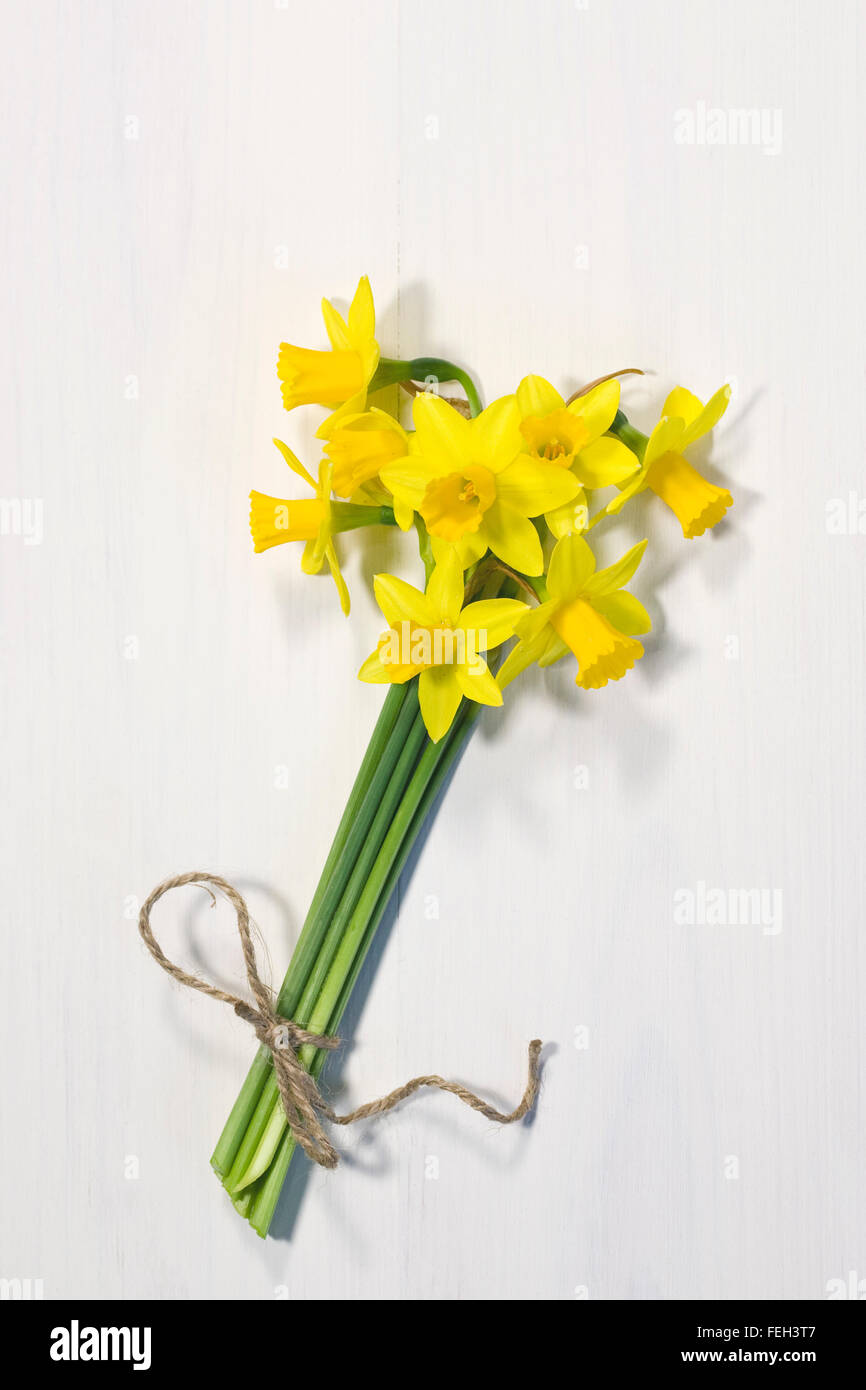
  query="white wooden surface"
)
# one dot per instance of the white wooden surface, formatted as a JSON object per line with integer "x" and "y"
{"x": 181, "y": 184}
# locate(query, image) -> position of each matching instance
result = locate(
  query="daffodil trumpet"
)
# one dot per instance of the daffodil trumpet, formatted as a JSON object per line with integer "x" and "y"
{"x": 279, "y": 519}
{"x": 697, "y": 503}
{"x": 502, "y": 502}
{"x": 585, "y": 611}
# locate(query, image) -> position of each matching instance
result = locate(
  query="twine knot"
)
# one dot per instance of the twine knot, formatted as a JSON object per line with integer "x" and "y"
{"x": 277, "y": 1037}
{"x": 301, "y": 1098}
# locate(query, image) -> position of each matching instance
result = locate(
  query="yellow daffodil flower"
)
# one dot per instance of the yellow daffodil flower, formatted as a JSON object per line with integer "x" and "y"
{"x": 341, "y": 376}
{"x": 587, "y": 613}
{"x": 359, "y": 446}
{"x": 473, "y": 484}
{"x": 274, "y": 520}
{"x": 696, "y": 503}
{"x": 433, "y": 637}
{"x": 572, "y": 436}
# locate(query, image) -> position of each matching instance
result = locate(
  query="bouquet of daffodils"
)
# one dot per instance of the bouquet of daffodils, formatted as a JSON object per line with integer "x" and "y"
{"x": 501, "y": 501}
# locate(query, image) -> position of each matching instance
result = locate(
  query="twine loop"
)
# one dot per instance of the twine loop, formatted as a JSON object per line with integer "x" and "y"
{"x": 301, "y": 1098}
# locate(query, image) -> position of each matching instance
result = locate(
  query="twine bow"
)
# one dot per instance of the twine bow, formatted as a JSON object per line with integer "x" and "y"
{"x": 301, "y": 1098}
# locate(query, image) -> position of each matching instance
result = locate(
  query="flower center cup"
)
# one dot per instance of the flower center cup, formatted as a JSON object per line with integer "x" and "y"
{"x": 554, "y": 449}
{"x": 407, "y": 648}
{"x": 454, "y": 506}
{"x": 555, "y": 438}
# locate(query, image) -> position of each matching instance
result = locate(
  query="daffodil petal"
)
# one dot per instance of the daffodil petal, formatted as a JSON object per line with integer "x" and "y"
{"x": 468, "y": 549}
{"x": 408, "y": 478}
{"x": 535, "y": 396}
{"x": 495, "y": 617}
{"x": 532, "y": 487}
{"x": 371, "y": 494}
{"x": 477, "y": 683}
{"x": 373, "y": 671}
{"x": 571, "y": 566}
{"x": 337, "y": 576}
{"x": 524, "y": 654}
{"x": 605, "y": 462}
{"x": 624, "y": 612}
{"x": 312, "y": 557}
{"x": 515, "y": 662}
{"x": 404, "y": 512}
{"x": 708, "y": 417}
{"x": 495, "y": 433}
{"x": 439, "y": 696}
{"x": 533, "y": 623}
{"x": 665, "y": 438}
{"x": 569, "y": 520}
{"x": 444, "y": 437}
{"x": 513, "y": 538}
{"x": 402, "y": 602}
{"x": 555, "y": 650}
{"x": 445, "y": 587}
{"x": 597, "y": 408}
{"x": 362, "y": 314}
{"x": 351, "y": 407}
{"x": 295, "y": 463}
{"x": 682, "y": 403}
{"x": 634, "y": 485}
{"x": 335, "y": 327}
{"x": 606, "y": 581}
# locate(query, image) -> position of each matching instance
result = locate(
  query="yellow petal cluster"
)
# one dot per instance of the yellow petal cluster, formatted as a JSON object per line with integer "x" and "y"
{"x": 274, "y": 520}
{"x": 432, "y": 635}
{"x": 501, "y": 498}
{"x": 697, "y": 504}
{"x": 474, "y": 484}
{"x": 360, "y": 446}
{"x": 573, "y": 435}
{"x": 588, "y": 613}
{"x": 338, "y": 377}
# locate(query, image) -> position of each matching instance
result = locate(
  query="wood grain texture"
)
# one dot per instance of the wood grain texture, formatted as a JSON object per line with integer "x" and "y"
{"x": 181, "y": 185}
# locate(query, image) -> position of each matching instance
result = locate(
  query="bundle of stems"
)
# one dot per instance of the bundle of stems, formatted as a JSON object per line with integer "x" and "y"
{"x": 397, "y": 784}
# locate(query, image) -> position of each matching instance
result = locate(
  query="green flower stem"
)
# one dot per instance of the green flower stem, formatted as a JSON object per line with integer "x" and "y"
{"x": 263, "y": 1135}
{"x": 390, "y": 371}
{"x": 624, "y": 431}
{"x": 362, "y": 843}
{"x": 433, "y": 767}
{"x": 538, "y": 587}
{"x": 425, "y": 367}
{"x": 382, "y": 753}
{"x": 349, "y": 516}
{"x": 308, "y": 1008}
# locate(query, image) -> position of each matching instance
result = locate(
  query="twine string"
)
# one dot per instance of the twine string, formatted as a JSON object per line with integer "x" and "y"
{"x": 301, "y": 1098}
